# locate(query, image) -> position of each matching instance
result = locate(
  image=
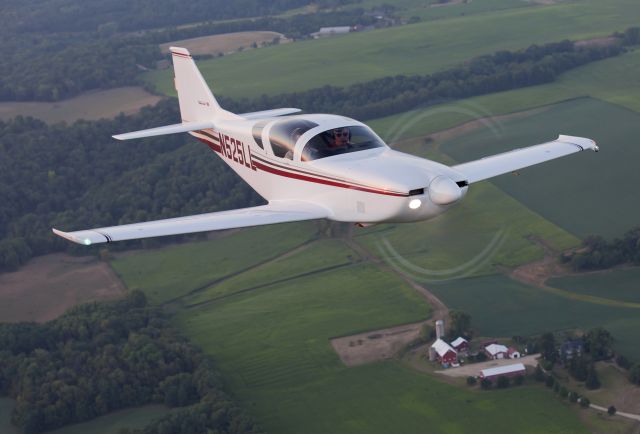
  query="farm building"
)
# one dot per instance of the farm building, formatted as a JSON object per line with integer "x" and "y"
{"x": 444, "y": 353}
{"x": 570, "y": 348}
{"x": 331, "y": 31}
{"x": 461, "y": 345}
{"x": 513, "y": 353}
{"x": 497, "y": 351}
{"x": 503, "y": 371}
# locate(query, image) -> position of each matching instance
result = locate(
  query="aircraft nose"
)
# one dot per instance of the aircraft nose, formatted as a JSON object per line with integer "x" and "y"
{"x": 443, "y": 191}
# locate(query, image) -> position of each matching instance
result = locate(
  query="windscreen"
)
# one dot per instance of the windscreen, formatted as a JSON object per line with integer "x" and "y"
{"x": 284, "y": 135}
{"x": 340, "y": 141}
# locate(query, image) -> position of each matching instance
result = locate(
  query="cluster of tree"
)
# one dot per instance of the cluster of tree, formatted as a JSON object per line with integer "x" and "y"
{"x": 501, "y": 71}
{"x": 597, "y": 253}
{"x": 92, "y": 15}
{"x": 459, "y": 324}
{"x": 633, "y": 369}
{"x": 78, "y": 176}
{"x": 551, "y": 382}
{"x": 501, "y": 382}
{"x": 101, "y": 357}
{"x": 596, "y": 345}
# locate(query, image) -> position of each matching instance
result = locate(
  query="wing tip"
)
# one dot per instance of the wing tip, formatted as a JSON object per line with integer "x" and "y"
{"x": 70, "y": 237}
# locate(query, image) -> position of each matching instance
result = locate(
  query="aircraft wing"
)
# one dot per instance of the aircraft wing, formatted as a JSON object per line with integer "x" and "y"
{"x": 516, "y": 159}
{"x": 274, "y": 212}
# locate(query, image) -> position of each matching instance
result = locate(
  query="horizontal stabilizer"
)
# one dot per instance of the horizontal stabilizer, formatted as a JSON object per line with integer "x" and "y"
{"x": 274, "y": 212}
{"x": 517, "y": 159}
{"x": 270, "y": 113}
{"x": 169, "y": 129}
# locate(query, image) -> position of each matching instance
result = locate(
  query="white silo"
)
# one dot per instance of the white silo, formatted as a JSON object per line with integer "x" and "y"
{"x": 439, "y": 329}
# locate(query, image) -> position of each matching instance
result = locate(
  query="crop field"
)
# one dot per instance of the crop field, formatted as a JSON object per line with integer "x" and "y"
{"x": 89, "y": 105}
{"x": 432, "y": 10}
{"x": 613, "y": 80}
{"x": 412, "y": 49}
{"x": 172, "y": 272}
{"x": 500, "y": 306}
{"x": 272, "y": 344}
{"x": 488, "y": 228}
{"x": 222, "y": 43}
{"x": 112, "y": 423}
{"x": 617, "y": 284}
{"x": 585, "y": 194}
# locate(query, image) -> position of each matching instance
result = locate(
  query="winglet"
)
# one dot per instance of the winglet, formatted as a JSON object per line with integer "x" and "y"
{"x": 581, "y": 142}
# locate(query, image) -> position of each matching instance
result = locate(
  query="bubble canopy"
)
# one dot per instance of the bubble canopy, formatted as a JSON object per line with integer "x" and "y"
{"x": 341, "y": 140}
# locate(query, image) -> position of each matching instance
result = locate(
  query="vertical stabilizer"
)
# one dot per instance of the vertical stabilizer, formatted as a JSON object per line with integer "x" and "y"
{"x": 197, "y": 103}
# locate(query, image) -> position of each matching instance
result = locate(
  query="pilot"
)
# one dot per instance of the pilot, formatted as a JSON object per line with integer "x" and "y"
{"x": 341, "y": 137}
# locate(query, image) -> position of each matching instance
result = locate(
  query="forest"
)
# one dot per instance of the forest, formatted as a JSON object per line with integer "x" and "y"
{"x": 57, "y": 49}
{"x": 101, "y": 357}
{"x": 75, "y": 176}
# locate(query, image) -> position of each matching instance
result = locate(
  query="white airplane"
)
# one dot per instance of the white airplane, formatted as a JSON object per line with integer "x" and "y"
{"x": 314, "y": 166}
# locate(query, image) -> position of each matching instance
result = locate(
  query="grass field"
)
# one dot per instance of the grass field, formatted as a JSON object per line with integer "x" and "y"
{"x": 488, "y": 228}
{"x": 432, "y": 10}
{"x": 614, "y": 80}
{"x": 412, "y": 49}
{"x": 172, "y": 272}
{"x": 618, "y": 284}
{"x": 223, "y": 43}
{"x": 89, "y": 105}
{"x": 272, "y": 345}
{"x": 112, "y": 423}
{"x": 500, "y": 306}
{"x": 585, "y": 194}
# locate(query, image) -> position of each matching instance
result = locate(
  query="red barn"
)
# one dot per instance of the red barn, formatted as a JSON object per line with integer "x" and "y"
{"x": 461, "y": 345}
{"x": 444, "y": 352}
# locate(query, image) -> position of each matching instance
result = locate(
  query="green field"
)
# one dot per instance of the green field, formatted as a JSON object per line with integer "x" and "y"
{"x": 412, "y": 49}
{"x": 112, "y": 423}
{"x": 272, "y": 345}
{"x": 487, "y": 229}
{"x": 431, "y": 10}
{"x": 500, "y": 306}
{"x": 585, "y": 194}
{"x": 614, "y": 80}
{"x": 168, "y": 273}
{"x": 618, "y": 284}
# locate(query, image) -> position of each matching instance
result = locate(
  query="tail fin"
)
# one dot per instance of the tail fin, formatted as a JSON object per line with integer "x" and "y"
{"x": 197, "y": 103}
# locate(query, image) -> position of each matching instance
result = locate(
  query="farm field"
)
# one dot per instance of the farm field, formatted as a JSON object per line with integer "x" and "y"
{"x": 223, "y": 43}
{"x": 171, "y": 272}
{"x": 612, "y": 80}
{"x": 487, "y": 229}
{"x": 432, "y": 10}
{"x": 589, "y": 193}
{"x": 617, "y": 284}
{"x": 89, "y": 105}
{"x": 272, "y": 344}
{"x": 518, "y": 309}
{"x": 113, "y": 422}
{"x": 412, "y": 49}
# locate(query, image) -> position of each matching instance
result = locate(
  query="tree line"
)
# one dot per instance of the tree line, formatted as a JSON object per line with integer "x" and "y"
{"x": 503, "y": 70}
{"x": 101, "y": 357}
{"x": 597, "y": 253}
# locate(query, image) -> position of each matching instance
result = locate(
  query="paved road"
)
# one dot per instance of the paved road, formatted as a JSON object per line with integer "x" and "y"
{"x": 619, "y": 413}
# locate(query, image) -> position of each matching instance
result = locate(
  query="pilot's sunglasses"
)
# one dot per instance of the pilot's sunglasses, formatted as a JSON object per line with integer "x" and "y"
{"x": 341, "y": 133}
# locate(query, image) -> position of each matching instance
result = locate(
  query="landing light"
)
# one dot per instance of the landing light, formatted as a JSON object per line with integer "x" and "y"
{"x": 415, "y": 204}
{"x": 87, "y": 242}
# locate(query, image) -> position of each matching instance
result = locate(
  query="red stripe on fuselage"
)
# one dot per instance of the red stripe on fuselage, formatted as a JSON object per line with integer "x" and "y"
{"x": 258, "y": 163}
